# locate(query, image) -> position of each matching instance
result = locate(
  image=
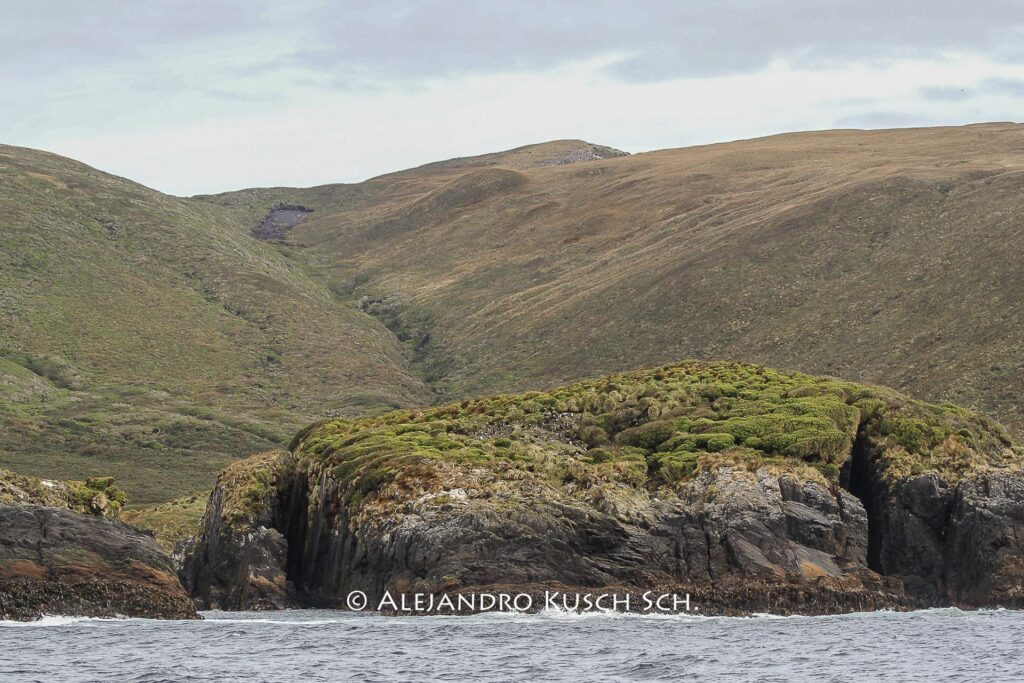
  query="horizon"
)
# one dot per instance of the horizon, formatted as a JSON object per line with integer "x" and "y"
{"x": 191, "y": 98}
{"x": 516, "y": 147}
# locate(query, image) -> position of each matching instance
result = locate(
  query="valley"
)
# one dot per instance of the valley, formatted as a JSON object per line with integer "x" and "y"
{"x": 154, "y": 338}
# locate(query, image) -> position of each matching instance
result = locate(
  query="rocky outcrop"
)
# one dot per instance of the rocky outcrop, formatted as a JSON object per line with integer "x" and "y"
{"x": 481, "y": 495}
{"x": 237, "y": 562}
{"x": 94, "y": 496}
{"x": 957, "y": 544}
{"x": 279, "y": 221}
{"x": 984, "y": 549}
{"x": 60, "y": 562}
{"x": 581, "y": 154}
{"x": 738, "y": 541}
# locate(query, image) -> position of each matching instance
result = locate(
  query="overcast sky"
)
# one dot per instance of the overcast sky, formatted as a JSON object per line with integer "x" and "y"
{"x": 197, "y": 96}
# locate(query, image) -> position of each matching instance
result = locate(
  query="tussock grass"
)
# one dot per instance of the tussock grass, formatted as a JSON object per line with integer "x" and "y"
{"x": 658, "y": 428}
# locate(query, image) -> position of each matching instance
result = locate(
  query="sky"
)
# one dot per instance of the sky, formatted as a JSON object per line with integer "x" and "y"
{"x": 201, "y": 96}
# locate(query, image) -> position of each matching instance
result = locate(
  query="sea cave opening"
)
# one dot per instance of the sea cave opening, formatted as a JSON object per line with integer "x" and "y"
{"x": 859, "y": 476}
{"x": 293, "y": 524}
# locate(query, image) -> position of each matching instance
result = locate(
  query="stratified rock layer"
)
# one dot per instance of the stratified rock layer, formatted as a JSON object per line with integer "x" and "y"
{"x": 238, "y": 561}
{"x": 55, "y": 561}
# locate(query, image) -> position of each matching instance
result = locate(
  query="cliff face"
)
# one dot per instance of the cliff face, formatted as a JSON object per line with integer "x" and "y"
{"x": 752, "y": 490}
{"x": 239, "y": 559}
{"x": 61, "y": 552}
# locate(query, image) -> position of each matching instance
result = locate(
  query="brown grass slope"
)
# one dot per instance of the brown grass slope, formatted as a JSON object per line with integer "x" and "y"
{"x": 881, "y": 256}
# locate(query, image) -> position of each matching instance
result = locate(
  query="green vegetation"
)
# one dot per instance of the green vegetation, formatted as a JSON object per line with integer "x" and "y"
{"x": 94, "y": 496}
{"x": 658, "y": 428}
{"x": 16, "y": 489}
{"x": 249, "y": 486}
{"x": 169, "y": 522}
{"x": 97, "y": 496}
{"x": 876, "y": 256}
{"x": 152, "y": 338}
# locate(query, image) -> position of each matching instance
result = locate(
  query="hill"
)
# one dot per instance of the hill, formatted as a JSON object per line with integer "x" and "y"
{"x": 154, "y": 338}
{"x": 881, "y": 256}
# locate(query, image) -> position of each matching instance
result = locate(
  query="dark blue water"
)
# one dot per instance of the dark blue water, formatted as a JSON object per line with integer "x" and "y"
{"x": 933, "y": 645}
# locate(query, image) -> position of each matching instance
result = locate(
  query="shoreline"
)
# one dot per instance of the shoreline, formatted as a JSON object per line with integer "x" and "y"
{"x": 325, "y": 616}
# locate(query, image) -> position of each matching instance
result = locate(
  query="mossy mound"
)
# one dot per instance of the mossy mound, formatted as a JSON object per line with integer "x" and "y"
{"x": 657, "y": 428}
{"x": 96, "y": 495}
{"x": 249, "y": 486}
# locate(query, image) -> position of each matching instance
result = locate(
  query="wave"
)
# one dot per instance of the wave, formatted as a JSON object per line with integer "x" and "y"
{"x": 328, "y": 617}
{"x": 58, "y": 620}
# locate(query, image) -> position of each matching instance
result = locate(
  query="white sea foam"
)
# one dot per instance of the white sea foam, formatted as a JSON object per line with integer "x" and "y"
{"x": 56, "y": 620}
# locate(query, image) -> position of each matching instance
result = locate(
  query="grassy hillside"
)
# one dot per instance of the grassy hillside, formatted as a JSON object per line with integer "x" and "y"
{"x": 880, "y": 256}
{"x": 152, "y": 338}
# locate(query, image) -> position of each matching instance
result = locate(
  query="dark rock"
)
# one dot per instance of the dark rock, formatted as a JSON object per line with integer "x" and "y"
{"x": 55, "y": 561}
{"x": 235, "y": 570}
{"x": 731, "y": 537}
{"x": 235, "y": 564}
{"x": 840, "y": 497}
{"x": 279, "y": 221}
{"x": 984, "y": 548}
{"x": 737, "y": 541}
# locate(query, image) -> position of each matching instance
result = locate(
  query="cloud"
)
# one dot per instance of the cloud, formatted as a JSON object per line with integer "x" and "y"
{"x": 191, "y": 96}
{"x": 402, "y": 39}
{"x": 39, "y": 38}
{"x": 658, "y": 39}
{"x": 990, "y": 86}
{"x": 1004, "y": 86}
{"x": 946, "y": 93}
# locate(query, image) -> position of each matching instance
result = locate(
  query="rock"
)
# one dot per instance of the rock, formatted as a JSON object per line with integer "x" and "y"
{"x": 507, "y": 492}
{"x": 238, "y": 560}
{"x": 279, "y": 221}
{"x": 580, "y": 154}
{"x": 740, "y": 541}
{"x": 735, "y": 540}
{"x": 984, "y": 548}
{"x": 95, "y": 495}
{"x": 58, "y": 562}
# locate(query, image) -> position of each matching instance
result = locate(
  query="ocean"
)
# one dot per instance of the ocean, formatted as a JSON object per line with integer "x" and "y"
{"x": 317, "y": 645}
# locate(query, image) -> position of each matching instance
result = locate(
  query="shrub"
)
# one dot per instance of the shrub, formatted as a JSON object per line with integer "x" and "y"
{"x": 674, "y": 467}
{"x": 593, "y": 436}
{"x": 718, "y": 442}
{"x": 598, "y": 455}
{"x": 662, "y": 424}
{"x": 648, "y": 436}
